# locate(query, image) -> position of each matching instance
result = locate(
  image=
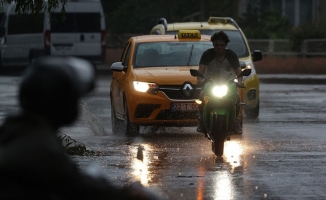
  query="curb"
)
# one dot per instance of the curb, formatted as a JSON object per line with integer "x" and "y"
{"x": 292, "y": 78}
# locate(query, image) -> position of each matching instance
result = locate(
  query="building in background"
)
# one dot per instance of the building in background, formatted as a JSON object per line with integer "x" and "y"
{"x": 297, "y": 11}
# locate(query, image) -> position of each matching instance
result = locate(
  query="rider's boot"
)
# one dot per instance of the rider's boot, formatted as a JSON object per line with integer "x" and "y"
{"x": 201, "y": 125}
{"x": 237, "y": 129}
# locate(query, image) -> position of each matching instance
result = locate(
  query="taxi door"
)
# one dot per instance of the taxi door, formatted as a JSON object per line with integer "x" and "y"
{"x": 120, "y": 80}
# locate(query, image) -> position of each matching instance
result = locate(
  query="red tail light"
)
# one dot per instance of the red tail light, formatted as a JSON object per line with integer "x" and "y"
{"x": 103, "y": 39}
{"x": 47, "y": 39}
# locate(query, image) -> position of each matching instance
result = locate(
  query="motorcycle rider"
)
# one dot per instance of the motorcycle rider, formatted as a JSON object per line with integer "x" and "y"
{"x": 33, "y": 163}
{"x": 211, "y": 63}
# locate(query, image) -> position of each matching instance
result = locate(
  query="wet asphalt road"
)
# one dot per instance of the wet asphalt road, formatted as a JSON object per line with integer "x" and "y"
{"x": 279, "y": 156}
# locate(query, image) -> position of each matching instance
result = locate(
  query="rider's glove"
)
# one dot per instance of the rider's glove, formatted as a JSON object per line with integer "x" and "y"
{"x": 241, "y": 85}
{"x": 200, "y": 81}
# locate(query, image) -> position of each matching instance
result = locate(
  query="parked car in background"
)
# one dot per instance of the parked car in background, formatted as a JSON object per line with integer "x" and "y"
{"x": 238, "y": 44}
{"x": 80, "y": 32}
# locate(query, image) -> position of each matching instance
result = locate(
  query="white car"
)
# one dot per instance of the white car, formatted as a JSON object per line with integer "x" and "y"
{"x": 78, "y": 32}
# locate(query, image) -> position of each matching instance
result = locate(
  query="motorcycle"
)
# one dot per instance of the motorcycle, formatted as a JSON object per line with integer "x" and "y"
{"x": 219, "y": 107}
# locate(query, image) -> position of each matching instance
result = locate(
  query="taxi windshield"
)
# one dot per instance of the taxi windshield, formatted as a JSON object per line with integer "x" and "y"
{"x": 236, "y": 43}
{"x": 156, "y": 54}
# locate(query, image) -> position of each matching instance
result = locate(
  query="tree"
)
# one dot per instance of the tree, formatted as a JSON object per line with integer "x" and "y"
{"x": 145, "y": 13}
{"x": 35, "y": 6}
{"x": 133, "y": 16}
{"x": 265, "y": 24}
{"x": 307, "y": 30}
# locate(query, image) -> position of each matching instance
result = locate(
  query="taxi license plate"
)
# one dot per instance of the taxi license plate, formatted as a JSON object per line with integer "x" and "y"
{"x": 184, "y": 106}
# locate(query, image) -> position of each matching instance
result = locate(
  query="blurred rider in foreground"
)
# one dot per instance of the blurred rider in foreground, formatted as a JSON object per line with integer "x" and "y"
{"x": 33, "y": 164}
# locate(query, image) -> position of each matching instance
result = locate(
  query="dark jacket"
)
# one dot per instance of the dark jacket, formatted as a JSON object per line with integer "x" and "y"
{"x": 33, "y": 165}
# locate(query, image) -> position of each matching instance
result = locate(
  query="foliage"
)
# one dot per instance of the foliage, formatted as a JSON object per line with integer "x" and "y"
{"x": 140, "y": 21}
{"x": 145, "y": 13}
{"x": 35, "y": 6}
{"x": 72, "y": 147}
{"x": 265, "y": 25}
{"x": 307, "y": 31}
{"x": 224, "y": 8}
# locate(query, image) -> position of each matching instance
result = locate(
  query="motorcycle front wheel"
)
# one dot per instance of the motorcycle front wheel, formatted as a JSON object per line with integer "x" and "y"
{"x": 218, "y": 130}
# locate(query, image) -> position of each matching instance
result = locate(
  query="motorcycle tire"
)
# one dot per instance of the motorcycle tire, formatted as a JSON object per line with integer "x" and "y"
{"x": 219, "y": 128}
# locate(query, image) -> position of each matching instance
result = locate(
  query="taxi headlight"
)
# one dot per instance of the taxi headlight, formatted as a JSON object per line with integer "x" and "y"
{"x": 145, "y": 87}
{"x": 220, "y": 91}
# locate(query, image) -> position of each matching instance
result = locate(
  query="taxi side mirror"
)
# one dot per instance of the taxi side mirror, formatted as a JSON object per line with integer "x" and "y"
{"x": 245, "y": 72}
{"x": 257, "y": 55}
{"x": 117, "y": 66}
{"x": 242, "y": 64}
{"x": 196, "y": 73}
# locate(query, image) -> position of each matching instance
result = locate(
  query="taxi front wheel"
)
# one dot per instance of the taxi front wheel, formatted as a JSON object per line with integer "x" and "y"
{"x": 130, "y": 128}
{"x": 115, "y": 122}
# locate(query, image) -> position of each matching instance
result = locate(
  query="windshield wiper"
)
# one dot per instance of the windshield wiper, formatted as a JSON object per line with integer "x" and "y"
{"x": 192, "y": 47}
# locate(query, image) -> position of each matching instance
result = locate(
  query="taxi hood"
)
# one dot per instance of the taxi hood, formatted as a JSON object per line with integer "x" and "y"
{"x": 166, "y": 75}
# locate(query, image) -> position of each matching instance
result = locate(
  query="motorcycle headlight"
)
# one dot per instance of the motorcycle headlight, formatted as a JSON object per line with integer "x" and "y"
{"x": 220, "y": 91}
{"x": 145, "y": 87}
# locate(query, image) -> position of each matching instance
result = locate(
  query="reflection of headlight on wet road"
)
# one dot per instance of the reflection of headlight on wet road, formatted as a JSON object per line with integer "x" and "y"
{"x": 223, "y": 181}
{"x": 232, "y": 153}
{"x": 140, "y": 168}
{"x": 223, "y": 185}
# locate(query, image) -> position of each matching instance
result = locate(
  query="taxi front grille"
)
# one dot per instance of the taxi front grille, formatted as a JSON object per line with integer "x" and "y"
{"x": 177, "y": 92}
{"x": 177, "y": 115}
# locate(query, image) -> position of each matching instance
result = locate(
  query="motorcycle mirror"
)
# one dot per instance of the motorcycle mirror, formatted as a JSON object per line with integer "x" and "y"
{"x": 196, "y": 73}
{"x": 245, "y": 72}
{"x": 242, "y": 64}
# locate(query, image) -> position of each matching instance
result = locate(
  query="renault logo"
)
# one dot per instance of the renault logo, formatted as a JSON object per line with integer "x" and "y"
{"x": 187, "y": 89}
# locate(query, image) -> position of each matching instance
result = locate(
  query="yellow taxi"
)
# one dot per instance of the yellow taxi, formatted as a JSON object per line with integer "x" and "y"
{"x": 152, "y": 84}
{"x": 238, "y": 43}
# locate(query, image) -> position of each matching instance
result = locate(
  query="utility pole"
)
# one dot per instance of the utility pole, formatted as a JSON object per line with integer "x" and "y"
{"x": 168, "y": 14}
{"x": 204, "y": 9}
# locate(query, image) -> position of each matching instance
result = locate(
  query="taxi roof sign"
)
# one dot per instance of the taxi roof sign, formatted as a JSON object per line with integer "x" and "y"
{"x": 222, "y": 20}
{"x": 216, "y": 20}
{"x": 189, "y": 34}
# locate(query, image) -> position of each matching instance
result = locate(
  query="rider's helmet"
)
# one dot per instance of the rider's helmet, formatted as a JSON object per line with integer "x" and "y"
{"x": 52, "y": 87}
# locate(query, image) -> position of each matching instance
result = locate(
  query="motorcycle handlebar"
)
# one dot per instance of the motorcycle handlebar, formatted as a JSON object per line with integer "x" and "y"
{"x": 240, "y": 85}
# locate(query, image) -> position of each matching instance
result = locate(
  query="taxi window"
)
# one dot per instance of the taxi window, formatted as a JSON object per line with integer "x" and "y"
{"x": 237, "y": 43}
{"x": 169, "y": 54}
{"x": 126, "y": 55}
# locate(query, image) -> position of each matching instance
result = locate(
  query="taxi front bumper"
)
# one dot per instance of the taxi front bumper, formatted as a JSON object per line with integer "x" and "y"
{"x": 251, "y": 92}
{"x": 156, "y": 109}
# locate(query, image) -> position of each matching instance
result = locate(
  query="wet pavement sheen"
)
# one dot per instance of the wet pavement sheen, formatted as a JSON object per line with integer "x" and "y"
{"x": 281, "y": 155}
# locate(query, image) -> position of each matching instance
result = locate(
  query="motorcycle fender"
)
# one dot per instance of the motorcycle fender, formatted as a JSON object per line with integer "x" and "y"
{"x": 218, "y": 112}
